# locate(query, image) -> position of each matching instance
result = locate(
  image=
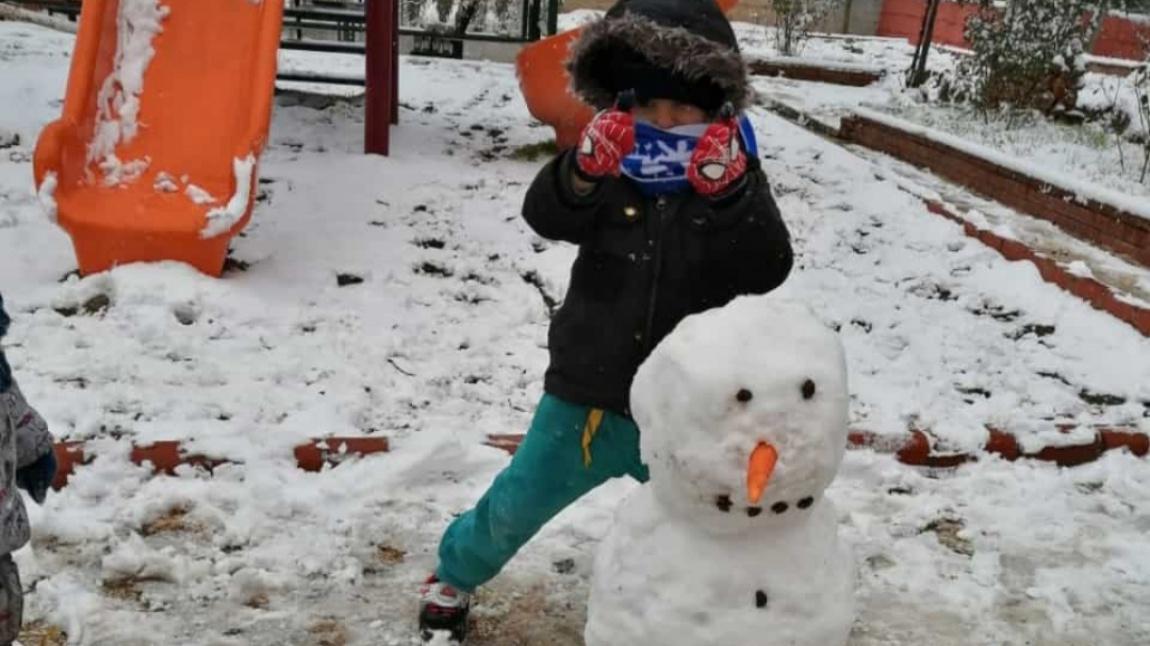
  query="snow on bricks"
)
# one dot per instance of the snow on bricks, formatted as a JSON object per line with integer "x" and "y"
{"x": 166, "y": 457}
{"x": 1113, "y": 221}
{"x": 833, "y": 72}
{"x": 918, "y": 447}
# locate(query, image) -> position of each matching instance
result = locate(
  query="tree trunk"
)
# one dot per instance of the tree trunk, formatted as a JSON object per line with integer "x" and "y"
{"x": 917, "y": 75}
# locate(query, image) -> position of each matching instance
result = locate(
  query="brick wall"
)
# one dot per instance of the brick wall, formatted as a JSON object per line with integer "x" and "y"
{"x": 904, "y": 18}
{"x": 1119, "y": 37}
{"x": 1101, "y": 224}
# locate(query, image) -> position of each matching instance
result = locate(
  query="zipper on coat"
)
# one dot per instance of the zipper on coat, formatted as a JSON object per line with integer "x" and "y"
{"x": 648, "y": 331}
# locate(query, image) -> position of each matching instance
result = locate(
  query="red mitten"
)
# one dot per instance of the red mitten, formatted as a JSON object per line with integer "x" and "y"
{"x": 719, "y": 160}
{"x": 605, "y": 142}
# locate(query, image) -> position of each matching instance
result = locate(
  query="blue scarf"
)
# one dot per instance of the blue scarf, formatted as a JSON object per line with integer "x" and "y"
{"x": 5, "y": 371}
{"x": 658, "y": 164}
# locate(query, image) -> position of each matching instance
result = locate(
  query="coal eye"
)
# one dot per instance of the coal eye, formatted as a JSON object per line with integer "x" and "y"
{"x": 744, "y": 395}
{"x": 808, "y": 389}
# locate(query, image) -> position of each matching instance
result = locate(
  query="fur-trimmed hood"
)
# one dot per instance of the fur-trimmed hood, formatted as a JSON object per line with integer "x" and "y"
{"x": 691, "y": 38}
{"x": 5, "y": 371}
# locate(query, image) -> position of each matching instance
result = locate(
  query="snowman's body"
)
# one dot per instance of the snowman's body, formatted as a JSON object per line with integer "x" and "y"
{"x": 691, "y": 559}
{"x": 660, "y": 581}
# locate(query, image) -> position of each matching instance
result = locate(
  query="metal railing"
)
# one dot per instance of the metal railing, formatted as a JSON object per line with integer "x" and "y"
{"x": 349, "y": 23}
{"x": 302, "y": 22}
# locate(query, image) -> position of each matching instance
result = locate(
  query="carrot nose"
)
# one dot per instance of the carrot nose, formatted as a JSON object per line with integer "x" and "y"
{"x": 759, "y": 470}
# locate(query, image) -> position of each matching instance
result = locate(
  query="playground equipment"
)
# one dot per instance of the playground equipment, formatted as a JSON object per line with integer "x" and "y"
{"x": 165, "y": 115}
{"x": 167, "y": 110}
{"x": 543, "y": 80}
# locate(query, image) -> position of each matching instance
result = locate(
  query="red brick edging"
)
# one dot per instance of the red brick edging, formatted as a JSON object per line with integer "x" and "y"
{"x": 164, "y": 457}
{"x": 917, "y": 448}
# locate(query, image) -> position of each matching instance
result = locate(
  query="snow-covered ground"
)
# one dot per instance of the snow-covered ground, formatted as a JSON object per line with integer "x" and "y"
{"x": 443, "y": 343}
{"x": 1087, "y": 152}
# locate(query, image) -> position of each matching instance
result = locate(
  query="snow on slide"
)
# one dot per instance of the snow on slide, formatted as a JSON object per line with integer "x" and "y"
{"x": 166, "y": 102}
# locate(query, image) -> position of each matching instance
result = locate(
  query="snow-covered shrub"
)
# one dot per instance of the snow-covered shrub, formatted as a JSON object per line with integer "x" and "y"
{"x": 462, "y": 16}
{"x": 794, "y": 20}
{"x": 1029, "y": 53}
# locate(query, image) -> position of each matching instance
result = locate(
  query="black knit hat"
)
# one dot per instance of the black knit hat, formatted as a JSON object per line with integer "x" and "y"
{"x": 676, "y": 49}
{"x": 630, "y": 70}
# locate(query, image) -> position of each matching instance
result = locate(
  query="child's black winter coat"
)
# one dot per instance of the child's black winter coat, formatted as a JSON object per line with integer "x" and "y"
{"x": 644, "y": 264}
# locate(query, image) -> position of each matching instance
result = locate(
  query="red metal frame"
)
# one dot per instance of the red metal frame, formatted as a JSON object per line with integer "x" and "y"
{"x": 382, "y": 94}
{"x": 395, "y": 62}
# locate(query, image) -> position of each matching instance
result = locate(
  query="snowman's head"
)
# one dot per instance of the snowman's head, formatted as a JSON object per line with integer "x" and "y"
{"x": 742, "y": 412}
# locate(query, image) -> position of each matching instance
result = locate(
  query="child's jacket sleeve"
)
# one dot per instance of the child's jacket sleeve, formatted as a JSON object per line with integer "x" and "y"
{"x": 23, "y": 438}
{"x": 33, "y": 440}
{"x": 748, "y": 240}
{"x": 552, "y": 207}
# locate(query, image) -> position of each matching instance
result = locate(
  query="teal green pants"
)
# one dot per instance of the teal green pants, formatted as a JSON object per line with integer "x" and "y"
{"x": 568, "y": 451}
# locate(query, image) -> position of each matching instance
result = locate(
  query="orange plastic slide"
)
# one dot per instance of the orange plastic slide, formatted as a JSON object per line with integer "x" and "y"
{"x": 543, "y": 81}
{"x": 165, "y": 115}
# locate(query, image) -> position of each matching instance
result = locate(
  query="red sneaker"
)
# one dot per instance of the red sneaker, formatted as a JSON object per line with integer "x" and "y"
{"x": 443, "y": 608}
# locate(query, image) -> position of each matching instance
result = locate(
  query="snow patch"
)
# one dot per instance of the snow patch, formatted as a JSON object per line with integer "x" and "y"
{"x": 135, "y": 560}
{"x": 117, "y": 172}
{"x": 223, "y": 218}
{"x": 165, "y": 183}
{"x": 578, "y": 18}
{"x": 47, "y": 195}
{"x": 118, "y": 102}
{"x": 199, "y": 195}
{"x": 1080, "y": 269}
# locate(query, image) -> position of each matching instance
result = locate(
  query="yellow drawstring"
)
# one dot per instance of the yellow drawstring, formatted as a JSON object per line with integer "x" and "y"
{"x": 594, "y": 419}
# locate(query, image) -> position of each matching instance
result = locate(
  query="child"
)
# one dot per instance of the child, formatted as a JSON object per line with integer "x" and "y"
{"x": 28, "y": 461}
{"x": 673, "y": 215}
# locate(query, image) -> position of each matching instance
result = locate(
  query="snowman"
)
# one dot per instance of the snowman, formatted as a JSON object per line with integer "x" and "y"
{"x": 743, "y": 413}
